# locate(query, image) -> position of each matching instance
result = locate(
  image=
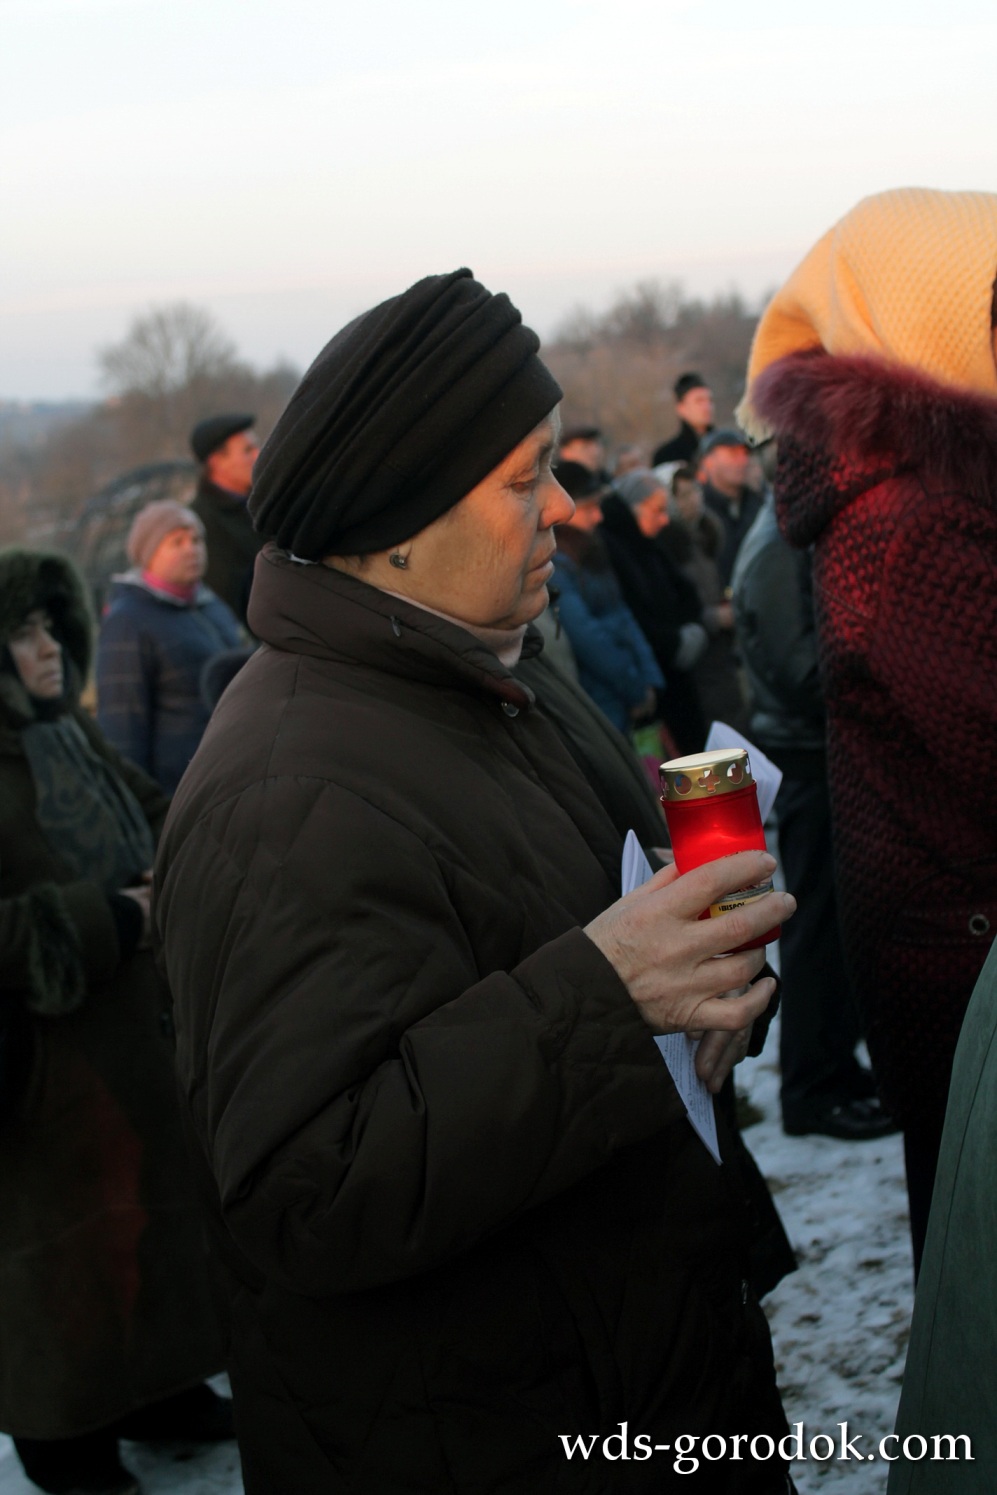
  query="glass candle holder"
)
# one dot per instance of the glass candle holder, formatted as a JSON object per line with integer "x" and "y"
{"x": 710, "y": 802}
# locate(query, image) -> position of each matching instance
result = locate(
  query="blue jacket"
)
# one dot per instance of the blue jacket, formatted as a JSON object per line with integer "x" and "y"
{"x": 150, "y": 654}
{"x": 615, "y": 662}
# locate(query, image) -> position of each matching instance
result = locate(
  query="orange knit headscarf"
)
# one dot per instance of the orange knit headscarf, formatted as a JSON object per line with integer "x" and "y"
{"x": 906, "y": 276}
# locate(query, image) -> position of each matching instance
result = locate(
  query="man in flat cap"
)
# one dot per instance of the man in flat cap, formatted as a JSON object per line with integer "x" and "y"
{"x": 694, "y": 408}
{"x": 226, "y": 446}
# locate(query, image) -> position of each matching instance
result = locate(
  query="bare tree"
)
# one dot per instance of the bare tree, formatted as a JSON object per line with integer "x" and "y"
{"x": 171, "y": 363}
{"x": 173, "y": 367}
{"x": 646, "y": 314}
{"x": 617, "y": 368}
{"x": 165, "y": 351}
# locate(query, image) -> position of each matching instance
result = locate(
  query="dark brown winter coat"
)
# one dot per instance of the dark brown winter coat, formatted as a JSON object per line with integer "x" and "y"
{"x": 460, "y": 1209}
{"x": 104, "y": 1301}
{"x": 893, "y": 479}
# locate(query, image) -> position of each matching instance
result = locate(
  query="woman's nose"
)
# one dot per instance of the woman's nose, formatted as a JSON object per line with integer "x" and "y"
{"x": 560, "y": 506}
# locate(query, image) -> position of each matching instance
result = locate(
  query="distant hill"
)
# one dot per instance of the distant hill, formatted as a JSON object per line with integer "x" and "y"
{"x": 29, "y": 423}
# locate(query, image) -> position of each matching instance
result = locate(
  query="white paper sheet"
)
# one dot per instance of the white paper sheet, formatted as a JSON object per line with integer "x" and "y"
{"x": 677, "y": 1049}
{"x": 763, "y": 770}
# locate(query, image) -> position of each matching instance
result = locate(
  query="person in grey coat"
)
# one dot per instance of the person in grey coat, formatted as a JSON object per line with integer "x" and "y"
{"x": 161, "y": 627}
{"x": 824, "y": 1088}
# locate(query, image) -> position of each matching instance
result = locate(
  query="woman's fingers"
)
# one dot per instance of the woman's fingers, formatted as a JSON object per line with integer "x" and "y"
{"x": 708, "y": 1013}
{"x": 728, "y": 975}
{"x": 718, "y": 1053}
{"x": 663, "y": 878}
{"x": 665, "y": 952}
{"x": 731, "y": 1014}
{"x": 714, "y": 881}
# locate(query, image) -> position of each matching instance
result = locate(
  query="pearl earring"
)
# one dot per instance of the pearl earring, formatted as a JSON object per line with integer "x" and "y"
{"x": 397, "y": 559}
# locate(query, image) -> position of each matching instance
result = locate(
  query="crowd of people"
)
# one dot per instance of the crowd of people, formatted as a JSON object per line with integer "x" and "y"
{"x": 429, "y": 1193}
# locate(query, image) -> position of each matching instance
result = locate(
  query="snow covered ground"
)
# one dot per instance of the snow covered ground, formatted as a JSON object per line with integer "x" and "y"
{"x": 839, "y": 1323}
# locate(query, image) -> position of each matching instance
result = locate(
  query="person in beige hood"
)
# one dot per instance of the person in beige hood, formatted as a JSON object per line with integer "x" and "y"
{"x": 875, "y": 366}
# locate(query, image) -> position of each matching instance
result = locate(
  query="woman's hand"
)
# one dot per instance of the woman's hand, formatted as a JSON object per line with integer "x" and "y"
{"x": 718, "y": 1053}
{"x": 666, "y": 955}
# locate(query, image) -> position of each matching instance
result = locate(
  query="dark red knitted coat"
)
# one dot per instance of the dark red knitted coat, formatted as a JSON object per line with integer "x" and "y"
{"x": 893, "y": 479}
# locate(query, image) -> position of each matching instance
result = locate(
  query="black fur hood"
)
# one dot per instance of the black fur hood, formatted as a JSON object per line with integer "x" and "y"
{"x": 32, "y": 579}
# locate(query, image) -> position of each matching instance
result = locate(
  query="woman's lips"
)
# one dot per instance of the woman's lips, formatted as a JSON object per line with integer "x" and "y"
{"x": 547, "y": 564}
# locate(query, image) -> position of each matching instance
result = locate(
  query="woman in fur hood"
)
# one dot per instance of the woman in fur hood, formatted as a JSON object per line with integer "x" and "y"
{"x": 876, "y": 368}
{"x": 106, "y": 1326}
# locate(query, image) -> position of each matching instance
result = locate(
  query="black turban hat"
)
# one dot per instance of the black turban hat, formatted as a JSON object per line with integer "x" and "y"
{"x": 401, "y": 414}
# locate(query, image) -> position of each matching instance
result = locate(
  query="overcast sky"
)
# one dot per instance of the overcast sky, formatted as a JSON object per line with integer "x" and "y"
{"x": 288, "y": 164}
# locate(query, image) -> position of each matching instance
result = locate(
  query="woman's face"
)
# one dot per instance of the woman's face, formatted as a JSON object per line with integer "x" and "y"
{"x": 37, "y": 654}
{"x": 652, "y": 514}
{"x": 488, "y": 559}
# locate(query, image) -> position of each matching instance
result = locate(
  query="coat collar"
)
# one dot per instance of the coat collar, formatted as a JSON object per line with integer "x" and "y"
{"x": 135, "y": 578}
{"x": 884, "y": 417}
{"x": 845, "y": 424}
{"x": 325, "y": 614}
{"x": 221, "y": 498}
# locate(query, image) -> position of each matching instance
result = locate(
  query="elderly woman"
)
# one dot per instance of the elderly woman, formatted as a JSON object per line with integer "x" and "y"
{"x": 663, "y": 600}
{"x": 461, "y": 1213}
{"x": 875, "y": 365}
{"x": 615, "y": 663}
{"x": 106, "y": 1323}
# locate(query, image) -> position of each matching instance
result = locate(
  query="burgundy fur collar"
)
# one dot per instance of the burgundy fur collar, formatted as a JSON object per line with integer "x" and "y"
{"x": 875, "y": 415}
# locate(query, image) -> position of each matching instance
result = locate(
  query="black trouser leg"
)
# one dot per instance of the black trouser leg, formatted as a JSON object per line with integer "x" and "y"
{"x": 820, "y": 1026}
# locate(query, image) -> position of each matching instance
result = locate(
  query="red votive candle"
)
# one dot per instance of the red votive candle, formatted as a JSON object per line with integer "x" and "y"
{"x": 710, "y": 802}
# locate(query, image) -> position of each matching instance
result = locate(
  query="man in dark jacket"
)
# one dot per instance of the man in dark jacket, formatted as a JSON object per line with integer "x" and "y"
{"x": 694, "y": 408}
{"x": 824, "y": 1089}
{"x": 227, "y": 447}
{"x": 723, "y": 465}
{"x": 161, "y": 627}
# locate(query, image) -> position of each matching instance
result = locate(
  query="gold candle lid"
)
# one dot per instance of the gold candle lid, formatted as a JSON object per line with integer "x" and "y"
{"x": 705, "y": 775}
